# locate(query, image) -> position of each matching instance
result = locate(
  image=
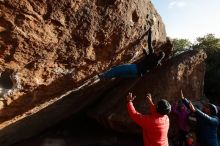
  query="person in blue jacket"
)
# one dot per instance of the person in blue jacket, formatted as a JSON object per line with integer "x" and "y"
{"x": 207, "y": 122}
{"x": 150, "y": 61}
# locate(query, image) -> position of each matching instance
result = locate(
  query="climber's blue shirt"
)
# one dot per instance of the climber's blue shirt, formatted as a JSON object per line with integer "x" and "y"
{"x": 206, "y": 130}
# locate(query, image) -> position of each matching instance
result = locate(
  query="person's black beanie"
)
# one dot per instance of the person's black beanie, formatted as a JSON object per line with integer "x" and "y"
{"x": 213, "y": 109}
{"x": 163, "y": 107}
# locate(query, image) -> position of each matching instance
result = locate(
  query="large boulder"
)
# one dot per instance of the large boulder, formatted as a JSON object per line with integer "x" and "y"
{"x": 50, "y": 48}
{"x": 185, "y": 71}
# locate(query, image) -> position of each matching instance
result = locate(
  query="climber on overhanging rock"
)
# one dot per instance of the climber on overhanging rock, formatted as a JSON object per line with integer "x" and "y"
{"x": 150, "y": 61}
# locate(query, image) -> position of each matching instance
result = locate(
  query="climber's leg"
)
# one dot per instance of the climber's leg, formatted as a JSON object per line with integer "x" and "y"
{"x": 121, "y": 71}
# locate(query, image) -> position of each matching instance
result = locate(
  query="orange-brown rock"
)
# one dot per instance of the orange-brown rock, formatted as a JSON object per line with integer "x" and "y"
{"x": 61, "y": 44}
{"x": 49, "y": 48}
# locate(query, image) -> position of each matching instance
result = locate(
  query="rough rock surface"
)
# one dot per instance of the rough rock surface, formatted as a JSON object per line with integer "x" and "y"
{"x": 185, "y": 72}
{"x": 51, "y": 47}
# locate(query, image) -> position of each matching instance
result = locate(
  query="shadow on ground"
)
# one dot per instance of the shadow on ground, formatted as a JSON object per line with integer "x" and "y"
{"x": 81, "y": 131}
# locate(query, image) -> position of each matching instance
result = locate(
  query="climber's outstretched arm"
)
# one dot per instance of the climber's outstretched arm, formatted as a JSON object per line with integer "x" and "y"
{"x": 149, "y": 42}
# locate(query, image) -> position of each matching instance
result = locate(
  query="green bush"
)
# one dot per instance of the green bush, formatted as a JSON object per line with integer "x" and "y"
{"x": 180, "y": 45}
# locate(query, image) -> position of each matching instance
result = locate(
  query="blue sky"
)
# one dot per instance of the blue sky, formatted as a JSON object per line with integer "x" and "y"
{"x": 189, "y": 18}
